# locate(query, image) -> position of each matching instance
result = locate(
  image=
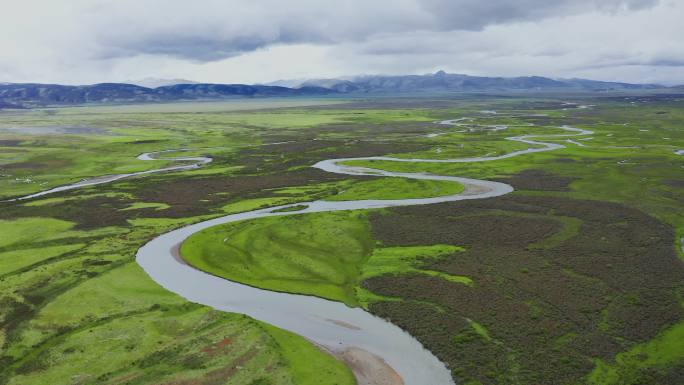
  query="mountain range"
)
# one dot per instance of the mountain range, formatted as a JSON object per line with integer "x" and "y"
{"x": 32, "y": 95}
{"x": 18, "y": 95}
{"x": 442, "y": 81}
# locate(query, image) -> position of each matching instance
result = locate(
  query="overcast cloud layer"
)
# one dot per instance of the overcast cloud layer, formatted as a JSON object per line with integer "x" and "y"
{"x": 231, "y": 41}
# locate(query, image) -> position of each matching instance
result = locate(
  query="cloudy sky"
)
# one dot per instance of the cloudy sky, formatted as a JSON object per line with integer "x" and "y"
{"x": 252, "y": 41}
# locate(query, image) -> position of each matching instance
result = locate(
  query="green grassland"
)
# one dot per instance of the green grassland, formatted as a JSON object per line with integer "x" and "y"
{"x": 319, "y": 254}
{"x": 645, "y": 147}
{"x": 324, "y": 254}
{"x": 52, "y": 147}
{"x": 396, "y": 188}
{"x": 76, "y": 308}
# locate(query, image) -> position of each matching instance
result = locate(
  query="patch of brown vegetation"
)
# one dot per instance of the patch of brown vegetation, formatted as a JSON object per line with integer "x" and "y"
{"x": 677, "y": 183}
{"x": 538, "y": 180}
{"x": 41, "y": 165}
{"x": 88, "y": 213}
{"x": 146, "y": 141}
{"x": 186, "y": 197}
{"x": 217, "y": 348}
{"x": 548, "y": 311}
{"x": 564, "y": 160}
{"x": 280, "y": 157}
{"x": 195, "y": 196}
{"x": 380, "y": 128}
{"x": 124, "y": 379}
{"x": 219, "y": 376}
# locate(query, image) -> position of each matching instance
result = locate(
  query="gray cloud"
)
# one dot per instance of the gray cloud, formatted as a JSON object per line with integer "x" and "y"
{"x": 661, "y": 61}
{"x": 219, "y": 29}
{"x": 477, "y": 14}
{"x": 262, "y": 40}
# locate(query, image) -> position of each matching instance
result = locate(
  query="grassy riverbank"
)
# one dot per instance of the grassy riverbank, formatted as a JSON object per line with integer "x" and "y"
{"x": 327, "y": 255}
{"x": 76, "y": 305}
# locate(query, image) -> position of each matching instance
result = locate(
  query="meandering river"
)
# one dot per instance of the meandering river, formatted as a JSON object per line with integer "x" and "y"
{"x": 195, "y": 162}
{"x": 332, "y": 325}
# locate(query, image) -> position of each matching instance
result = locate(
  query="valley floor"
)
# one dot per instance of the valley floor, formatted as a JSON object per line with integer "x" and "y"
{"x": 576, "y": 277}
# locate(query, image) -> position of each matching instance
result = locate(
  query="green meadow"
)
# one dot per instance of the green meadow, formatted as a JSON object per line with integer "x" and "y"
{"x": 324, "y": 254}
